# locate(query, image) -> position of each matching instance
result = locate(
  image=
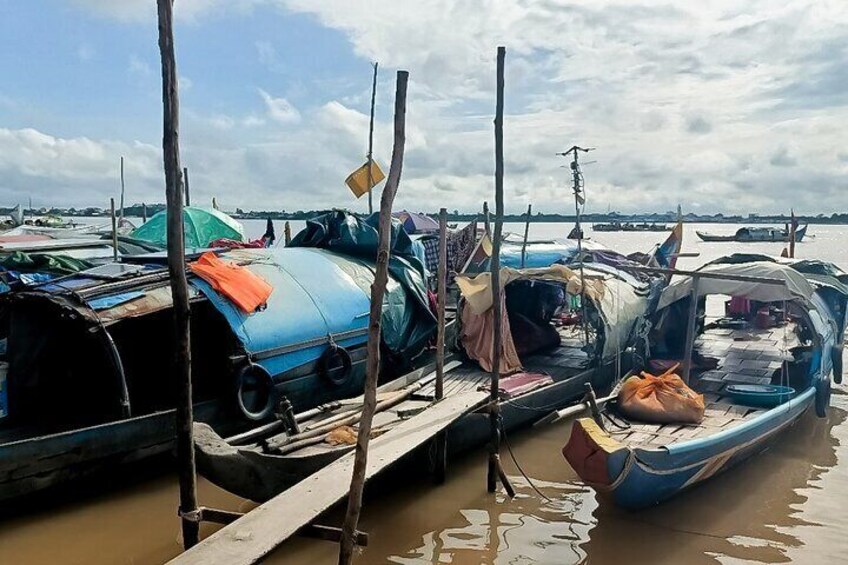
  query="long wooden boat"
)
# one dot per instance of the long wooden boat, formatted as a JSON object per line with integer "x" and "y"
{"x": 261, "y": 463}
{"x": 755, "y": 234}
{"x": 756, "y": 381}
{"x": 85, "y": 377}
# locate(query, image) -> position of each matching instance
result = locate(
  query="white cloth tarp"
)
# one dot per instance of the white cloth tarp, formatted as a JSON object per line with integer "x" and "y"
{"x": 793, "y": 285}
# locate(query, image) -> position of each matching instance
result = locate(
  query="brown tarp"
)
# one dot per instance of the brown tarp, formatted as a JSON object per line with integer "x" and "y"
{"x": 477, "y": 337}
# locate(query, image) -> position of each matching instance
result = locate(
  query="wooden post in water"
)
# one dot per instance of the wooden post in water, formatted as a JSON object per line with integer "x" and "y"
{"x": 114, "y": 231}
{"x": 185, "y": 181}
{"x": 793, "y": 226}
{"x": 495, "y": 469}
{"x": 378, "y": 290}
{"x": 441, "y": 440}
{"x": 287, "y": 232}
{"x": 526, "y": 233}
{"x": 121, "y": 221}
{"x": 690, "y": 329}
{"x": 143, "y": 213}
{"x": 486, "y": 223}
{"x": 177, "y": 271}
{"x": 371, "y": 142}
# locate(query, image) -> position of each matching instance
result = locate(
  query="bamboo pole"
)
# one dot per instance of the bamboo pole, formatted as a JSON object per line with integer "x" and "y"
{"x": 121, "y": 221}
{"x": 114, "y": 231}
{"x": 185, "y": 181}
{"x": 176, "y": 269}
{"x": 690, "y": 329}
{"x": 440, "y": 464}
{"x": 495, "y": 470}
{"x": 526, "y": 233}
{"x": 378, "y": 289}
{"x": 287, "y": 232}
{"x": 371, "y": 142}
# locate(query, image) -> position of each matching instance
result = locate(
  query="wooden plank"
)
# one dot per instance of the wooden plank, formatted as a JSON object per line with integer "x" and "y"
{"x": 254, "y": 536}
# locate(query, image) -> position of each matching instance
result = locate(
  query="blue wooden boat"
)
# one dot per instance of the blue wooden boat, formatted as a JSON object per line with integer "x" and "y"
{"x": 642, "y": 464}
{"x": 261, "y": 463}
{"x": 87, "y": 361}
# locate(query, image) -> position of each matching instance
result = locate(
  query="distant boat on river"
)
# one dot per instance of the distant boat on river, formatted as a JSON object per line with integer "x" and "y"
{"x": 627, "y": 226}
{"x": 749, "y": 234}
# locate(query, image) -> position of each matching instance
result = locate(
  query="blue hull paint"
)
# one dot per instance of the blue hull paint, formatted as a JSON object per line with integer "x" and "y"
{"x": 658, "y": 474}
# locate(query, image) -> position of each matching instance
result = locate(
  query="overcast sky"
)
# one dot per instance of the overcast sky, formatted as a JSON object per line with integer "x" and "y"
{"x": 722, "y": 106}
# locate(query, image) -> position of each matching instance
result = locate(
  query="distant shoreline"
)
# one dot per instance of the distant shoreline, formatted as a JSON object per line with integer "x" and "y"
{"x": 668, "y": 218}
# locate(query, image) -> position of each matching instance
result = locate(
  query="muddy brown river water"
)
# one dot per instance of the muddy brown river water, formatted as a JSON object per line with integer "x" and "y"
{"x": 788, "y": 504}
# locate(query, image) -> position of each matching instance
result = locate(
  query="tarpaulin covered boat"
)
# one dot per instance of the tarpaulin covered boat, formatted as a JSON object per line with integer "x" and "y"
{"x": 540, "y": 375}
{"x": 89, "y": 356}
{"x": 759, "y": 369}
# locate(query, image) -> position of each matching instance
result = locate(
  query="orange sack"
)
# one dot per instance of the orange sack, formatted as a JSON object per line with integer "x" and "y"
{"x": 244, "y": 288}
{"x": 663, "y": 400}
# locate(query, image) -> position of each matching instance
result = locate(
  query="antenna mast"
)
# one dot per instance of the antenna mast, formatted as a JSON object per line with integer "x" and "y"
{"x": 579, "y": 200}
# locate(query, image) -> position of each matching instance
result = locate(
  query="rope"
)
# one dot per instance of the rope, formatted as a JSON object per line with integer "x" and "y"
{"x": 517, "y": 465}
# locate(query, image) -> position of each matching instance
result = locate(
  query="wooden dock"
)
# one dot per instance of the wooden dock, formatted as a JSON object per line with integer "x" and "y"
{"x": 257, "y": 533}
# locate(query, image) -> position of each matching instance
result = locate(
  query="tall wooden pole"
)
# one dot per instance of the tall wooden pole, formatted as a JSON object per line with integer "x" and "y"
{"x": 440, "y": 463}
{"x": 177, "y": 271}
{"x": 287, "y": 232}
{"x": 793, "y": 224}
{"x": 121, "y": 221}
{"x": 378, "y": 290}
{"x": 143, "y": 213}
{"x": 187, "y": 193}
{"x": 497, "y": 311}
{"x": 114, "y": 231}
{"x": 371, "y": 141}
{"x": 526, "y": 234}
{"x": 486, "y": 223}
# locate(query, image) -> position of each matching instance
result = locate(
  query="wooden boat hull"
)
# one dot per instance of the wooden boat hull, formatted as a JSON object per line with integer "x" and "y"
{"x": 41, "y": 462}
{"x": 261, "y": 476}
{"x": 638, "y": 478}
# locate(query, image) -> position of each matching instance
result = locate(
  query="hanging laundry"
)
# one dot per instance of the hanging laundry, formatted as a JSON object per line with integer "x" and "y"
{"x": 246, "y": 290}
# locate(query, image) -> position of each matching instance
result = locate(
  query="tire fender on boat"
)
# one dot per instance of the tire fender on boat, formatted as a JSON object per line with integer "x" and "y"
{"x": 326, "y": 361}
{"x": 836, "y": 357}
{"x": 262, "y": 384}
{"x": 822, "y": 397}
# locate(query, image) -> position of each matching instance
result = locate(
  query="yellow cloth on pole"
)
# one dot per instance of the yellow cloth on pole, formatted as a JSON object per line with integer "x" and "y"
{"x": 357, "y": 181}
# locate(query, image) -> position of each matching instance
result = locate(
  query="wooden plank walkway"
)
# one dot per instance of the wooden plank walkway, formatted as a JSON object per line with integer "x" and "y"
{"x": 260, "y": 531}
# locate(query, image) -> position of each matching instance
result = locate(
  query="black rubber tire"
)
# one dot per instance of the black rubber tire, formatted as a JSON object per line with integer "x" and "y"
{"x": 822, "y": 397}
{"x": 262, "y": 376}
{"x": 325, "y": 363}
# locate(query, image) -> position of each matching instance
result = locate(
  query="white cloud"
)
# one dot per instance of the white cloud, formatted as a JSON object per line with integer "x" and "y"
{"x": 279, "y": 109}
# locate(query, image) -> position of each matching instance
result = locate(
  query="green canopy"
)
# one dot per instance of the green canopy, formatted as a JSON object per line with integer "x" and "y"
{"x": 202, "y": 226}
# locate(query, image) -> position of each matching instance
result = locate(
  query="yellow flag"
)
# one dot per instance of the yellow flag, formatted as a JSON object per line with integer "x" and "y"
{"x": 357, "y": 181}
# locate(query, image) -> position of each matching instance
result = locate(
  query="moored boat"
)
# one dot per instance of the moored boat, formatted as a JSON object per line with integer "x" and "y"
{"x": 759, "y": 369}
{"x": 755, "y": 234}
{"x": 87, "y": 357}
{"x": 547, "y": 361}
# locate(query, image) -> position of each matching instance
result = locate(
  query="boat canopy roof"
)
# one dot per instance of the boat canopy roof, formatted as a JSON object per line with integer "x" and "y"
{"x": 794, "y": 286}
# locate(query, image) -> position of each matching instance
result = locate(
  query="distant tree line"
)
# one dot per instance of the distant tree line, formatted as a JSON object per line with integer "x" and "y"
{"x": 135, "y": 210}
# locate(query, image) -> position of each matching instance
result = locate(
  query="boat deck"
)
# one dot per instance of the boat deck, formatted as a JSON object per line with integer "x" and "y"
{"x": 744, "y": 356}
{"x": 560, "y": 364}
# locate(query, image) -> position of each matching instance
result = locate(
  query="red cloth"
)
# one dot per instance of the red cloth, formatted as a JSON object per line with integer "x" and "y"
{"x": 244, "y": 288}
